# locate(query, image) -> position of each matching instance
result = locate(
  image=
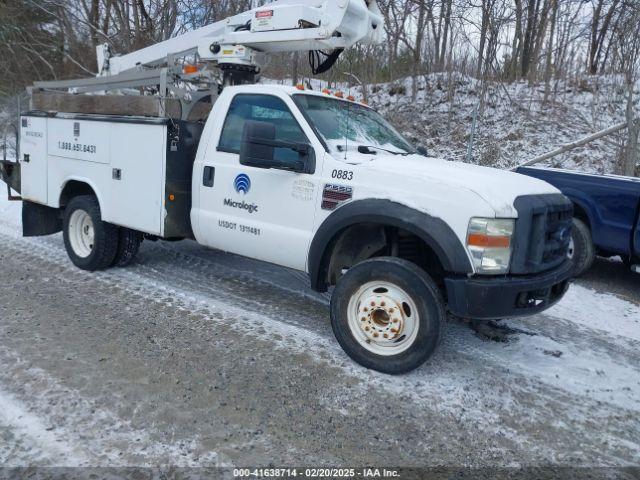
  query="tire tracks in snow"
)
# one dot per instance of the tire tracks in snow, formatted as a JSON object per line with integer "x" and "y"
{"x": 53, "y": 423}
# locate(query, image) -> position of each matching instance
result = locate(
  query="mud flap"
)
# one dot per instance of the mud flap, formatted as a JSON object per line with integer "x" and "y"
{"x": 10, "y": 174}
{"x": 38, "y": 220}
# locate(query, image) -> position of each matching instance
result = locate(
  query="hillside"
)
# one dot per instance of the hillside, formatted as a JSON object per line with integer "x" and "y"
{"x": 515, "y": 126}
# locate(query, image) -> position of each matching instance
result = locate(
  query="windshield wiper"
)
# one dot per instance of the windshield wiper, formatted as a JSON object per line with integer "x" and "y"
{"x": 370, "y": 150}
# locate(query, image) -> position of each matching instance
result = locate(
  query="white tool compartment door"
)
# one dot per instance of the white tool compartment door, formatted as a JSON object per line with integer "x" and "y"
{"x": 33, "y": 143}
{"x": 85, "y": 140}
{"x": 137, "y": 176}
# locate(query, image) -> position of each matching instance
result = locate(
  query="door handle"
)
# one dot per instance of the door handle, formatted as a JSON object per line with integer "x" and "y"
{"x": 26, "y": 158}
{"x": 208, "y": 176}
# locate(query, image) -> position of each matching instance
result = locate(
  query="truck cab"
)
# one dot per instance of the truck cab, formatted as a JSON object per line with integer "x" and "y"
{"x": 319, "y": 183}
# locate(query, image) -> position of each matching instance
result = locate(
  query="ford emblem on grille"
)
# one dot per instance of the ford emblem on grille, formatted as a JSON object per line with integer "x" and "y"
{"x": 561, "y": 234}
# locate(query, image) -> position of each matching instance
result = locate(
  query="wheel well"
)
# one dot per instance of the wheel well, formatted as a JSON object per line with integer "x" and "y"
{"x": 581, "y": 214}
{"x": 74, "y": 188}
{"x": 367, "y": 240}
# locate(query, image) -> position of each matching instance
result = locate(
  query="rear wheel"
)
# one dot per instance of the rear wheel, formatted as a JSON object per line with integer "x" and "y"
{"x": 388, "y": 315}
{"x": 128, "y": 245}
{"x": 90, "y": 243}
{"x": 581, "y": 249}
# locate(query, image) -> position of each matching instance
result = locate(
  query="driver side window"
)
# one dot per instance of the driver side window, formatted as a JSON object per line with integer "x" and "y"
{"x": 262, "y": 108}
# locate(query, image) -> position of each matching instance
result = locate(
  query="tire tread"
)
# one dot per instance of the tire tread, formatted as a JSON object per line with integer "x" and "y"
{"x": 128, "y": 245}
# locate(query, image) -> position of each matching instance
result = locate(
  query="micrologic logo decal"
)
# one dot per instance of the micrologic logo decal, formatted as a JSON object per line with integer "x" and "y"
{"x": 242, "y": 183}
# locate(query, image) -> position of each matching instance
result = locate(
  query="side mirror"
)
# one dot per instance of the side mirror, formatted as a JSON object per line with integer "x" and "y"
{"x": 259, "y": 146}
{"x": 422, "y": 151}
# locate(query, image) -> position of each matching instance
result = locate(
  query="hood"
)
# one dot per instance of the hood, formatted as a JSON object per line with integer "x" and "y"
{"x": 499, "y": 188}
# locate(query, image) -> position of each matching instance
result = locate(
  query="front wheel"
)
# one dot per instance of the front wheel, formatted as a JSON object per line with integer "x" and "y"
{"x": 388, "y": 314}
{"x": 90, "y": 243}
{"x": 581, "y": 250}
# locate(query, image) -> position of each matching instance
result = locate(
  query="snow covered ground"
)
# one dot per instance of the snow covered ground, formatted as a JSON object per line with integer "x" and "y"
{"x": 197, "y": 357}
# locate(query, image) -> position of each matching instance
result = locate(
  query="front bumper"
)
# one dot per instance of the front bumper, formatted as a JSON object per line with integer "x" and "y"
{"x": 509, "y": 296}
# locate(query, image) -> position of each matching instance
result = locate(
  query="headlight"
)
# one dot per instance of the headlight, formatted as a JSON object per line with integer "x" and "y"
{"x": 489, "y": 243}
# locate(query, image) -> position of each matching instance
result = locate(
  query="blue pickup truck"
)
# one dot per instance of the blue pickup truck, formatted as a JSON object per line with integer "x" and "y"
{"x": 606, "y": 218}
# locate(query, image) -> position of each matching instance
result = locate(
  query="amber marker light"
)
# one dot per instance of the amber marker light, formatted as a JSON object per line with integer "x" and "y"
{"x": 488, "y": 241}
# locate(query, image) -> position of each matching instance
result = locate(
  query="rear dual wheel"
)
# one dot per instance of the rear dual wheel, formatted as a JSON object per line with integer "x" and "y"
{"x": 93, "y": 244}
{"x": 128, "y": 245}
{"x": 388, "y": 314}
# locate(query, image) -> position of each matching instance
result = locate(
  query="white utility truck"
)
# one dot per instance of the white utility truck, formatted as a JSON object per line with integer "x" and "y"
{"x": 298, "y": 178}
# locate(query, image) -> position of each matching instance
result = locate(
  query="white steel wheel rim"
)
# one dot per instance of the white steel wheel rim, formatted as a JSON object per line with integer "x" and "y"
{"x": 572, "y": 249}
{"x": 383, "y": 318}
{"x": 81, "y": 233}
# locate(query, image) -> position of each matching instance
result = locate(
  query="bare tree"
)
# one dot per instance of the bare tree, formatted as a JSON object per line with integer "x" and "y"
{"x": 601, "y": 20}
{"x": 628, "y": 45}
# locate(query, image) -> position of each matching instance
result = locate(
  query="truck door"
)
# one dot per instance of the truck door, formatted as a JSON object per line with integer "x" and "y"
{"x": 266, "y": 214}
{"x": 33, "y": 161}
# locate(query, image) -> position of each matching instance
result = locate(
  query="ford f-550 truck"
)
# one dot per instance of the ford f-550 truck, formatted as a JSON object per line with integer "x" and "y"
{"x": 312, "y": 182}
{"x": 305, "y": 180}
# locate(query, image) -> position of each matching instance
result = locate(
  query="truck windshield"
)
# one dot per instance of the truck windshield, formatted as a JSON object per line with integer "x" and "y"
{"x": 347, "y": 126}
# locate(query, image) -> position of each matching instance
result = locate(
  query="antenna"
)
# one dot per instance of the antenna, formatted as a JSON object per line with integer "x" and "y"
{"x": 346, "y": 137}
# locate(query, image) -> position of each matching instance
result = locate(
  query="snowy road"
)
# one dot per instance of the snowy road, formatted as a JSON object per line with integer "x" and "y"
{"x": 195, "y": 357}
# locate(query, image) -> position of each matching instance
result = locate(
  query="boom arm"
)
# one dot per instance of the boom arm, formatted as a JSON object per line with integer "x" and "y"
{"x": 281, "y": 26}
{"x": 233, "y": 48}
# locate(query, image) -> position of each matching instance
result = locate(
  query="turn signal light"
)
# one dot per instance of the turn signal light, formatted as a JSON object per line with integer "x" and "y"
{"x": 488, "y": 241}
{"x": 190, "y": 69}
{"x": 351, "y": 98}
{"x": 300, "y": 86}
{"x": 339, "y": 94}
{"x": 326, "y": 91}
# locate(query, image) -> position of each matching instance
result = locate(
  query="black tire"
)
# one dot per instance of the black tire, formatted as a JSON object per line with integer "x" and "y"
{"x": 103, "y": 249}
{"x": 425, "y": 295}
{"x": 128, "y": 245}
{"x": 584, "y": 252}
